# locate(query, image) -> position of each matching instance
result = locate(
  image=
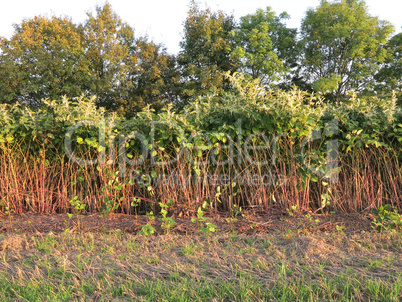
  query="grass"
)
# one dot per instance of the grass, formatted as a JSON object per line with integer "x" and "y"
{"x": 223, "y": 267}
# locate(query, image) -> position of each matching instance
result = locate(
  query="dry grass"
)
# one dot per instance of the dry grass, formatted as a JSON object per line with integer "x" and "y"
{"x": 119, "y": 266}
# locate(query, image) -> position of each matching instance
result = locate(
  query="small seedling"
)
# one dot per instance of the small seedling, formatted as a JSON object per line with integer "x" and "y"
{"x": 147, "y": 230}
{"x": 340, "y": 228}
{"x": 78, "y": 206}
{"x": 30, "y": 226}
{"x": 388, "y": 219}
{"x": 208, "y": 228}
{"x": 236, "y": 211}
{"x": 200, "y": 217}
{"x": 201, "y": 221}
{"x": 292, "y": 210}
{"x": 289, "y": 234}
{"x": 314, "y": 223}
{"x": 135, "y": 203}
{"x": 167, "y": 222}
{"x": 231, "y": 220}
{"x": 111, "y": 189}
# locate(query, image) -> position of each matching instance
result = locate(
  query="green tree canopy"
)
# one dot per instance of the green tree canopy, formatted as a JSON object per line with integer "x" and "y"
{"x": 43, "y": 59}
{"x": 264, "y": 45}
{"x": 109, "y": 46}
{"x": 154, "y": 77}
{"x": 389, "y": 76}
{"x": 49, "y": 58}
{"x": 206, "y": 48}
{"x": 343, "y": 42}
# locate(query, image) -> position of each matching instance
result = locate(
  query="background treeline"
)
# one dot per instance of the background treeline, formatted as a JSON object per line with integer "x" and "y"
{"x": 339, "y": 48}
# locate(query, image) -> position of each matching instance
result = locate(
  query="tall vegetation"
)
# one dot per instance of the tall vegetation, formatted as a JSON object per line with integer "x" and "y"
{"x": 108, "y": 42}
{"x": 206, "y": 48}
{"x": 43, "y": 59}
{"x": 264, "y": 46}
{"x": 249, "y": 148}
{"x": 343, "y": 46}
{"x": 390, "y": 75}
{"x": 53, "y": 57}
{"x": 93, "y": 113}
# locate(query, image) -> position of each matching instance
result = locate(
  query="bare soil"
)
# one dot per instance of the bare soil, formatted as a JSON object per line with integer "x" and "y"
{"x": 250, "y": 223}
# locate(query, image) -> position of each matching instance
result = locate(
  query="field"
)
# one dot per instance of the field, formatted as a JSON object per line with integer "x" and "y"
{"x": 251, "y": 195}
{"x": 271, "y": 257}
{"x": 259, "y": 163}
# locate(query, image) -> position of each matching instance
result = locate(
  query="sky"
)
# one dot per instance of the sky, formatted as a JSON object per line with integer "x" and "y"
{"x": 162, "y": 20}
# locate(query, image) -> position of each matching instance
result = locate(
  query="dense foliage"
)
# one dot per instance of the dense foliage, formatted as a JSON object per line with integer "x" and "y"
{"x": 206, "y": 48}
{"x": 341, "y": 48}
{"x": 249, "y": 147}
{"x": 91, "y": 113}
{"x": 50, "y": 58}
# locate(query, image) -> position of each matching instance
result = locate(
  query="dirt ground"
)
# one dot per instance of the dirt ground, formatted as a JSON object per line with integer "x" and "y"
{"x": 270, "y": 257}
{"x": 249, "y": 223}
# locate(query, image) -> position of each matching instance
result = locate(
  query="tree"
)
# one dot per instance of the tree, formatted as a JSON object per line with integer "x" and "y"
{"x": 206, "y": 48}
{"x": 109, "y": 46}
{"x": 49, "y": 58}
{"x": 389, "y": 76}
{"x": 127, "y": 73}
{"x": 265, "y": 47}
{"x": 154, "y": 77}
{"x": 43, "y": 59}
{"x": 342, "y": 46}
